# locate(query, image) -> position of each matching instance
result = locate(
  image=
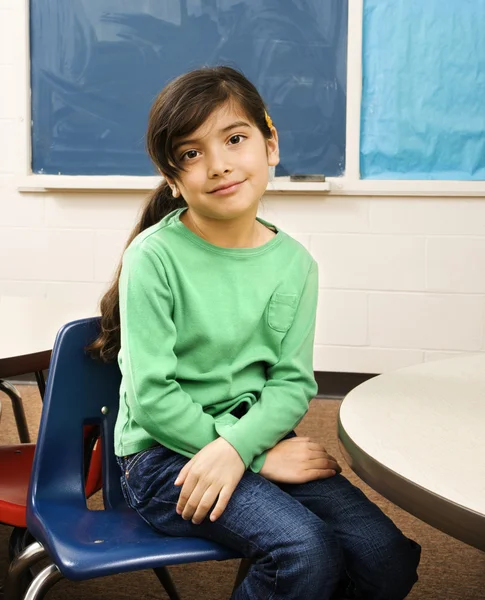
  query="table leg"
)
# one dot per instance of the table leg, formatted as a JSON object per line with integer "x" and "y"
{"x": 18, "y": 410}
{"x": 39, "y": 375}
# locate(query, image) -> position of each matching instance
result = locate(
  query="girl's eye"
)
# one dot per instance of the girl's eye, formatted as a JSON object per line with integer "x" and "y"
{"x": 236, "y": 139}
{"x": 190, "y": 154}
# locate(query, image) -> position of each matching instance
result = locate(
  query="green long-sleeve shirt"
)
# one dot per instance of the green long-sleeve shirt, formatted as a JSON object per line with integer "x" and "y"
{"x": 205, "y": 328}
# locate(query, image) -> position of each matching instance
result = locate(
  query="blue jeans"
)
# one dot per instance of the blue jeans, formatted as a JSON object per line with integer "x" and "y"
{"x": 306, "y": 540}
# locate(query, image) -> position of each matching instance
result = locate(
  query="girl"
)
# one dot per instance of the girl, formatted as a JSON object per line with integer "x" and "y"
{"x": 212, "y": 318}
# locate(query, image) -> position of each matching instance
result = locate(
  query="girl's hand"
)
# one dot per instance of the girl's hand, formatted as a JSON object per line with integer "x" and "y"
{"x": 298, "y": 460}
{"x": 212, "y": 474}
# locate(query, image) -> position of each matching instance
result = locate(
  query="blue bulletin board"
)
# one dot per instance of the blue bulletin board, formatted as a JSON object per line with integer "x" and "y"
{"x": 423, "y": 102}
{"x": 96, "y": 66}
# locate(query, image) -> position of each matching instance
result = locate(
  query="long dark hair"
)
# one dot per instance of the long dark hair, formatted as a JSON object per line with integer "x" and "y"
{"x": 182, "y": 106}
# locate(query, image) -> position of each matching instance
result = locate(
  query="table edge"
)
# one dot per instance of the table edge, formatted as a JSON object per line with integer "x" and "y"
{"x": 453, "y": 519}
{"x": 25, "y": 363}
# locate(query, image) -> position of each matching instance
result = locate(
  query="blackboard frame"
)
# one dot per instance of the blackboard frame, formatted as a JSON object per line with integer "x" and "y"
{"x": 350, "y": 184}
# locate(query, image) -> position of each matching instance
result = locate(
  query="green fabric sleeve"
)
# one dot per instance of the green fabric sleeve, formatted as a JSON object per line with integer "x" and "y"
{"x": 156, "y": 400}
{"x": 289, "y": 388}
{"x": 258, "y": 463}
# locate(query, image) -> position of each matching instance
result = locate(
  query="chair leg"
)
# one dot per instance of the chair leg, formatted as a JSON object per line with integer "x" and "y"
{"x": 39, "y": 375}
{"x": 16, "y": 542}
{"x": 244, "y": 567}
{"x": 165, "y": 579}
{"x": 18, "y": 410}
{"x": 19, "y": 539}
{"x": 27, "y": 540}
{"x": 43, "y": 583}
{"x": 18, "y": 567}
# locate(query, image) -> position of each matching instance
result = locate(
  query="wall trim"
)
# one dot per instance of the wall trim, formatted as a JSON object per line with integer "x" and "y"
{"x": 331, "y": 384}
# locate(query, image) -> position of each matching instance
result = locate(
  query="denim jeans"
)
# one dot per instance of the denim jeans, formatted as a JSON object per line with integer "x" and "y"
{"x": 306, "y": 540}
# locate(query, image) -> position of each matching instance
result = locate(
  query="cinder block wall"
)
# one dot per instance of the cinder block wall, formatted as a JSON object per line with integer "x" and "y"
{"x": 402, "y": 279}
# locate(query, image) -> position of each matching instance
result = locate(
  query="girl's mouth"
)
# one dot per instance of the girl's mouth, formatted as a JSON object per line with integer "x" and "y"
{"x": 229, "y": 188}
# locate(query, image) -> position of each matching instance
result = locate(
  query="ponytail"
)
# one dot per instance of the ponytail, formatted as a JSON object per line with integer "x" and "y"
{"x": 107, "y": 344}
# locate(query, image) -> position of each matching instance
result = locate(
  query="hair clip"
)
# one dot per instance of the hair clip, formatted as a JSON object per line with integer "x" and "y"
{"x": 269, "y": 122}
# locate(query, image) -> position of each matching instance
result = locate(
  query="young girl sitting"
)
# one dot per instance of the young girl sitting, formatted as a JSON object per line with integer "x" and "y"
{"x": 212, "y": 318}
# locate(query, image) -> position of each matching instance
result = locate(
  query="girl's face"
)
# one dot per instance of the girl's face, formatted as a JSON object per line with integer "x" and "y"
{"x": 226, "y": 165}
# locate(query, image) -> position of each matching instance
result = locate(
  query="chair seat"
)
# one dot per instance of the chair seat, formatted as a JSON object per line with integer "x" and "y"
{"x": 15, "y": 467}
{"x": 86, "y": 544}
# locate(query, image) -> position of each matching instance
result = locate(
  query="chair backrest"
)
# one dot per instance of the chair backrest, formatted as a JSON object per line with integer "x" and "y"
{"x": 80, "y": 391}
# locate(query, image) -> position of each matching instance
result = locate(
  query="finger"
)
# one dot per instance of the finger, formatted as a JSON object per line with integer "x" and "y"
{"x": 181, "y": 477}
{"x": 319, "y": 455}
{"x": 339, "y": 468}
{"x": 222, "y": 502}
{"x": 332, "y": 464}
{"x": 185, "y": 493}
{"x": 319, "y": 474}
{"x": 322, "y": 454}
{"x": 205, "y": 504}
{"x": 194, "y": 500}
{"x": 323, "y": 463}
{"x": 317, "y": 452}
{"x": 335, "y": 461}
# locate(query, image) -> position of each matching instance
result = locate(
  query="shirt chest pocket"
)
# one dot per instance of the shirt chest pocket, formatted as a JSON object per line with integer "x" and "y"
{"x": 281, "y": 311}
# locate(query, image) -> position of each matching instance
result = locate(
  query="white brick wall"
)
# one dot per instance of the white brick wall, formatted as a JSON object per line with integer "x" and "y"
{"x": 7, "y": 132}
{"x": 8, "y": 98}
{"x": 108, "y": 247}
{"x": 427, "y": 321}
{"x": 342, "y": 318}
{"x": 428, "y": 216}
{"x": 402, "y": 284}
{"x": 445, "y": 260}
{"x": 373, "y": 262}
{"x": 7, "y": 17}
{"x": 402, "y": 279}
{"x": 92, "y": 211}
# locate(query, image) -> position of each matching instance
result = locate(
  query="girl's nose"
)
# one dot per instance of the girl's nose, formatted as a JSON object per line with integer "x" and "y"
{"x": 218, "y": 166}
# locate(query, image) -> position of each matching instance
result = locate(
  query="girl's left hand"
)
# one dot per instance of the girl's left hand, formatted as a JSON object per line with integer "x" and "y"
{"x": 299, "y": 460}
{"x": 212, "y": 474}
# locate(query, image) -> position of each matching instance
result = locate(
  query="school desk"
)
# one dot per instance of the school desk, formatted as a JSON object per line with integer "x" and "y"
{"x": 28, "y": 327}
{"x": 417, "y": 436}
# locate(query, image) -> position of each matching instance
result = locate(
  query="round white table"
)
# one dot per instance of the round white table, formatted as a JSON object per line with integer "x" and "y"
{"x": 28, "y": 327}
{"x": 417, "y": 436}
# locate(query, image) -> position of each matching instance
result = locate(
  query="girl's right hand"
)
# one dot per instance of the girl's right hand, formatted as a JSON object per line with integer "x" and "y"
{"x": 298, "y": 460}
{"x": 211, "y": 476}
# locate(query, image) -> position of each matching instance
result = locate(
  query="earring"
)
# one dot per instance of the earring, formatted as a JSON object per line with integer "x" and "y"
{"x": 175, "y": 192}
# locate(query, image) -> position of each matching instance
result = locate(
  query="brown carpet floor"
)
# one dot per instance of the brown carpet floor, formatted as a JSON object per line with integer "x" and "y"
{"x": 449, "y": 570}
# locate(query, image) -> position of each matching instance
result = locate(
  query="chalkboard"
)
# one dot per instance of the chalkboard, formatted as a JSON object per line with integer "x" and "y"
{"x": 96, "y": 66}
{"x": 423, "y": 94}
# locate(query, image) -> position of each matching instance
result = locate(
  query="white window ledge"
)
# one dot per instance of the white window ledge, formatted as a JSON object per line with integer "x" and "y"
{"x": 107, "y": 183}
{"x": 281, "y": 185}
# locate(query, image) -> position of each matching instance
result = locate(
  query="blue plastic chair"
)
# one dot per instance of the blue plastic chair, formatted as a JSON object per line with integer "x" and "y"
{"x": 84, "y": 544}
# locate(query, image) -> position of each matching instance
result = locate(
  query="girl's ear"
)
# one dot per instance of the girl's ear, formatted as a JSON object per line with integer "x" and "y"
{"x": 173, "y": 185}
{"x": 273, "y": 149}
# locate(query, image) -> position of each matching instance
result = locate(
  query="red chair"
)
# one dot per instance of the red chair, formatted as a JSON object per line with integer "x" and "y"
{"x": 16, "y": 464}
{"x": 15, "y": 468}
